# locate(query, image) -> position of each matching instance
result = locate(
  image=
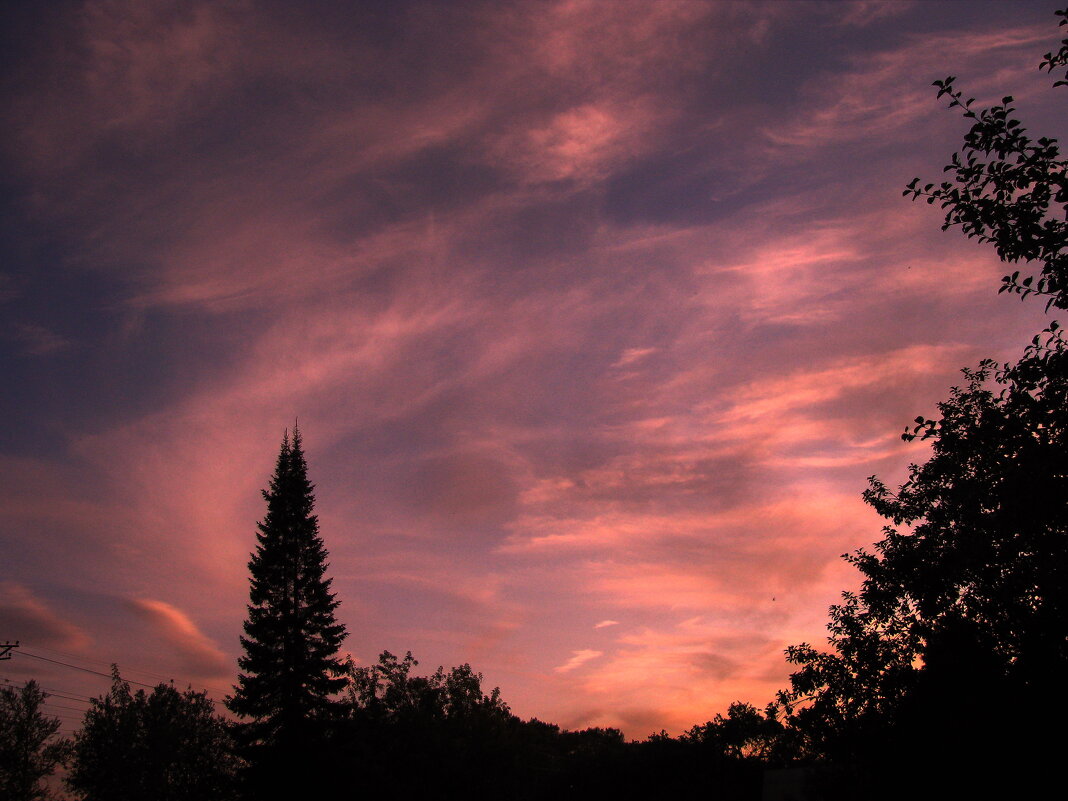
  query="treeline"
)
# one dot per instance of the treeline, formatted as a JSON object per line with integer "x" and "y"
{"x": 940, "y": 680}
{"x": 436, "y": 736}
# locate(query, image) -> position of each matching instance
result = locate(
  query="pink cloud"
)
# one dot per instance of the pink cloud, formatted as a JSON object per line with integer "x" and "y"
{"x": 580, "y": 144}
{"x": 578, "y": 659}
{"x": 25, "y": 617}
{"x": 888, "y": 94}
{"x": 861, "y": 13}
{"x": 698, "y": 670}
{"x": 527, "y": 405}
{"x": 617, "y": 43}
{"x": 192, "y": 650}
{"x": 147, "y": 58}
{"x": 736, "y": 562}
{"x": 806, "y": 388}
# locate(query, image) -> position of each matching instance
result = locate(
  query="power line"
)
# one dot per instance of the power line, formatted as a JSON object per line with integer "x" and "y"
{"x": 126, "y": 666}
{"x": 46, "y": 702}
{"x": 83, "y": 669}
{"x": 62, "y": 716}
{"x": 80, "y": 657}
{"x": 127, "y": 669}
{"x": 67, "y": 695}
{"x": 49, "y": 693}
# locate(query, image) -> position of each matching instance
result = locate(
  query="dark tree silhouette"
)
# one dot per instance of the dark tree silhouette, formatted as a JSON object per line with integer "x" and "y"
{"x": 29, "y": 751}
{"x": 165, "y": 745}
{"x": 435, "y": 736}
{"x": 744, "y": 733}
{"x": 958, "y": 638}
{"x": 388, "y": 691}
{"x": 1008, "y": 190}
{"x": 290, "y": 668}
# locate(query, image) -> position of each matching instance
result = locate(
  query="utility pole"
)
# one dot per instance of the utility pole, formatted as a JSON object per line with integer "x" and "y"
{"x": 5, "y": 649}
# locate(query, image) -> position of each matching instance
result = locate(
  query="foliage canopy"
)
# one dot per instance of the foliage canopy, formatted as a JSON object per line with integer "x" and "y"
{"x": 29, "y": 751}
{"x": 1009, "y": 190}
{"x": 965, "y": 596}
{"x": 166, "y": 745}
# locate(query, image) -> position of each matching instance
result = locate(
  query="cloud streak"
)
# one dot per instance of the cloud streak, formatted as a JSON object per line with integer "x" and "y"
{"x": 595, "y": 315}
{"x": 26, "y": 618}
{"x": 195, "y": 653}
{"x": 577, "y": 660}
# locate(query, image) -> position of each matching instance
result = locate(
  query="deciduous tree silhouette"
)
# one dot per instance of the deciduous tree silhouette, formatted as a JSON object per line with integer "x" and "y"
{"x": 437, "y": 736}
{"x": 29, "y": 751}
{"x": 958, "y": 638}
{"x": 389, "y": 691}
{"x": 744, "y": 733}
{"x": 165, "y": 745}
{"x": 1008, "y": 190}
{"x": 290, "y": 668}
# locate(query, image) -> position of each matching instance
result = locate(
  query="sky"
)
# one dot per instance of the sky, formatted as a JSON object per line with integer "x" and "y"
{"x": 595, "y": 316}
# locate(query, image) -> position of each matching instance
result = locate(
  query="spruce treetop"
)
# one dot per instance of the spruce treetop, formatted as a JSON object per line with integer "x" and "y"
{"x": 290, "y": 668}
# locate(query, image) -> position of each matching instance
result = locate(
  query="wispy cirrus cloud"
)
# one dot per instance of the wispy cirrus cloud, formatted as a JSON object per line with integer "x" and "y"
{"x": 578, "y": 659}
{"x": 889, "y": 92}
{"x": 574, "y": 332}
{"x": 698, "y": 660}
{"x": 38, "y": 340}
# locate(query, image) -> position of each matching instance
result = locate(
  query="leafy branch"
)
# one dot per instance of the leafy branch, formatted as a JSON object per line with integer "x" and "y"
{"x": 1009, "y": 190}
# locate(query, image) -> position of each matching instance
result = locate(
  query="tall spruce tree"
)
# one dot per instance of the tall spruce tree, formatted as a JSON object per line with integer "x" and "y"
{"x": 290, "y": 667}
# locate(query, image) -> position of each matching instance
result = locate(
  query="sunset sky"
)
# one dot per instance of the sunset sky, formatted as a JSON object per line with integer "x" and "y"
{"x": 595, "y": 316}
